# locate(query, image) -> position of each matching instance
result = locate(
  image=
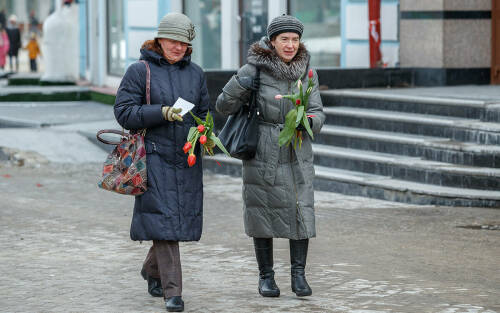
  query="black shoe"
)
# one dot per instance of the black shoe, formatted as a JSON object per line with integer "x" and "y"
{"x": 264, "y": 254}
{"x": 154, "y": 284}
{"x": 298, "y": 256}
{"x": 174, "y": 304}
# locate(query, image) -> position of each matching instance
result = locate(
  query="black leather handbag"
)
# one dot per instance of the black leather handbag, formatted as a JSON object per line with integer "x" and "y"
{"x": 240, "y": 134}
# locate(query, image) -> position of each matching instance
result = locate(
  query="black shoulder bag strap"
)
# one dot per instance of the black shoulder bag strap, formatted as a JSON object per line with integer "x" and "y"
{"x": 253, "y": 97}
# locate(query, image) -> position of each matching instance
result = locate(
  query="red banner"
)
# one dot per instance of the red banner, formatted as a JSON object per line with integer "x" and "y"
{"x": 374, "y": 33}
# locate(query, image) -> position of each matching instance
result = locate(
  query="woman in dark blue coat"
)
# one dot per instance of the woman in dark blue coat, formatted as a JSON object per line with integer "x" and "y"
{"x": 171, "y": 209}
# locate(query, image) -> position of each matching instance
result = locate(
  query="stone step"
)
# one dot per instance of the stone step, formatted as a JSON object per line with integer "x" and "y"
{"x": 377, "y": 186}
{"x": 44, "y": 93}
{"x": 407, "y": 168}
{"x": 484, "y": 110}
{"x": 426, "y": 147}
{"x": 48, "y": 113}
{"x": 455, "y": 128}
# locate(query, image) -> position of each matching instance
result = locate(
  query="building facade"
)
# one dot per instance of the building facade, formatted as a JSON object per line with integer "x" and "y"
{"x": 336, "y": 31}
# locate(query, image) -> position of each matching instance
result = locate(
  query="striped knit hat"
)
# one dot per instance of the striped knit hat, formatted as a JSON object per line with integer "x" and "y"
{"x": 284, "y": 24}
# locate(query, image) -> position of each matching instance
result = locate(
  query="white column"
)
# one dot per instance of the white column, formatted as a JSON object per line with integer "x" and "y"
{"x": 176, "y": 6}
{"x": 275, "y": 8}
{"x": 20, "y": 11}
{"x": 57, "y": 4}
{"x": 43, "y": 11}
{"x": 230, "y": 24}
{"x": 97, "y": 41}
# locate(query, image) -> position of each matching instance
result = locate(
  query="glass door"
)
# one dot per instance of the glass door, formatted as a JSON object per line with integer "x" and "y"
{"x": 321, "y": 19}
{"x": 253, "y": 15}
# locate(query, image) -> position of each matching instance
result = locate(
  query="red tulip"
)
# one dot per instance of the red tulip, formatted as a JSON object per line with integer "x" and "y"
{"x": 201, "y": 128}
{"x": 310, "y": 74}
{"x": 187, "y": 147}
{"x": 297, "y": 101}
{"x": 191, "y": 160}
{"x": 203, "y": 139}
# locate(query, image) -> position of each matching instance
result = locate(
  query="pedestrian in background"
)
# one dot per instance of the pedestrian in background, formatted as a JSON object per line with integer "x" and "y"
{"x": 33, "y": 52}
{"x": 15, "y": 43}
{"x": 4, "y": 47}
{"x": 278, "y": 193}
{"x": 34, "y": 25}
{"x": 171, "y": 210}
{"x": 3, "y": 20}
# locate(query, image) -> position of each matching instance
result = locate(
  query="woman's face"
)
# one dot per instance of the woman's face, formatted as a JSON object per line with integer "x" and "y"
{"x": 286, "y": 45}
{"x": 173, "y": 50}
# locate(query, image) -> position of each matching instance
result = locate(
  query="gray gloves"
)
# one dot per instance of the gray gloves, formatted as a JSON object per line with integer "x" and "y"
{"x": 248, "y": 82}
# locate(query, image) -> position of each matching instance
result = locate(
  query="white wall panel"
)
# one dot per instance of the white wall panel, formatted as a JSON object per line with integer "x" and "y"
{"x": 142, "y": 13}
{"x": 135, "y": 40}
{"x": 390, "y": 54}
{"x": 389, "y": 22}
{"x": 357, "y": 22}
{"x": 357, "y": 56}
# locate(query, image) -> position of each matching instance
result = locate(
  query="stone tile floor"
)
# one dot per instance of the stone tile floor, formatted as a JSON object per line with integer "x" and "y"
{"x": 65, "y": 247}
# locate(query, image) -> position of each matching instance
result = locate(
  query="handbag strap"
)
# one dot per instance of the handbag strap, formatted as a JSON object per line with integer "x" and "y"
{"x": 122, "y": 133}
{"x": 148, "y": 90}
{"x": 148, "y": 82}
{"x": 253, "y": 102}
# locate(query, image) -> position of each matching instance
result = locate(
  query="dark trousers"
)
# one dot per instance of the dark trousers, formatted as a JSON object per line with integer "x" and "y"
{"x": 33, "y": 65}
{"x": 11, "y": 56}
{"x": 163, "y": 261}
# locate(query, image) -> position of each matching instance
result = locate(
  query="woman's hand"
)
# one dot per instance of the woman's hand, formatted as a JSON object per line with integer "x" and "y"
{"x": 301, "y": 127}
{"x": 171, "y": 114}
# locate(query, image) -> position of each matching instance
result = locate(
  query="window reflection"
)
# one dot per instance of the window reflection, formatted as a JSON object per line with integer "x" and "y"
{"x": 253, "y": 24}
{"x": 206, "y": 15}
{"x": 116, "y": 38}
{"x": 321, "y": 19}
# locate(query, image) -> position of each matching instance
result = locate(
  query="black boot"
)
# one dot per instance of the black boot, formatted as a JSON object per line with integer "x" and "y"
{"x": 174, "y": 304}
{"x": 298, "y": 256}
{"x": 154, "y": 284}
{"x": 264, "y": 254}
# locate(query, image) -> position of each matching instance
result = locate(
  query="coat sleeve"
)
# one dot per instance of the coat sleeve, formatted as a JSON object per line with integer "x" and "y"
{"x": 130, "y": 109}
{"x": 315, "y": 107}
{"x": 201, "y": 109}
{"x": 233, "y": 95}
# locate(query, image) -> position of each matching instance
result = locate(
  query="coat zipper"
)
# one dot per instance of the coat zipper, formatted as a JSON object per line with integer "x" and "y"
{"x": 175, "y": 164}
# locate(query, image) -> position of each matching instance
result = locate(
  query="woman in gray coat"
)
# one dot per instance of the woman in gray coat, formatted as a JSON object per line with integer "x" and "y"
{"x": 278, "y": 183}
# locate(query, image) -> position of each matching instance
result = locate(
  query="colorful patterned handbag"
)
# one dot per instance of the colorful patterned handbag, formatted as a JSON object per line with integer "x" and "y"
{"x": 124, "y": 170}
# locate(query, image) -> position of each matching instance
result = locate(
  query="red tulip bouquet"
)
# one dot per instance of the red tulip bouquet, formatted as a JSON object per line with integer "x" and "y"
{"x": 297, "y": 116}
{"x": 203, "y": 134}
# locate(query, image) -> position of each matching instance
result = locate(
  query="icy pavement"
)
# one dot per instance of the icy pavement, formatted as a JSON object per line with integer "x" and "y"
{"x": 65, "y": 247}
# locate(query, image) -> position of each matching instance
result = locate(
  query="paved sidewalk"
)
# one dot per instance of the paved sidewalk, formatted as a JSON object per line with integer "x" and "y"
{"x": 65, "y": 247}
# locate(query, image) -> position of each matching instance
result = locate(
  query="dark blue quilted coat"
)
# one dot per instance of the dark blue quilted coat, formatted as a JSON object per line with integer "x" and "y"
{"x": 172, "y": 207}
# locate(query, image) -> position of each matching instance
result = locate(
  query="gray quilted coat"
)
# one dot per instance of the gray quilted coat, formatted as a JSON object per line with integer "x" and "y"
{"x": 278, "y": 183}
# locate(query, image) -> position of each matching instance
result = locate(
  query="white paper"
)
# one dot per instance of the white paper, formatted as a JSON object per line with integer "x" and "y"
{"x": 185, "y": 105}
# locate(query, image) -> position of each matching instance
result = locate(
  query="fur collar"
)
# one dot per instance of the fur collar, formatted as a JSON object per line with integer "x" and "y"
{"x": 263, "y": 56}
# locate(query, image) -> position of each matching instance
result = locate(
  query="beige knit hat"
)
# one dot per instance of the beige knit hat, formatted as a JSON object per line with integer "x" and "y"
{"x": 176, "y": 26}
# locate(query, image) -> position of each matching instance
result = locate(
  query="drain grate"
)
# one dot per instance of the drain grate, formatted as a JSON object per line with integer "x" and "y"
{"x": 492, "y": 226}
